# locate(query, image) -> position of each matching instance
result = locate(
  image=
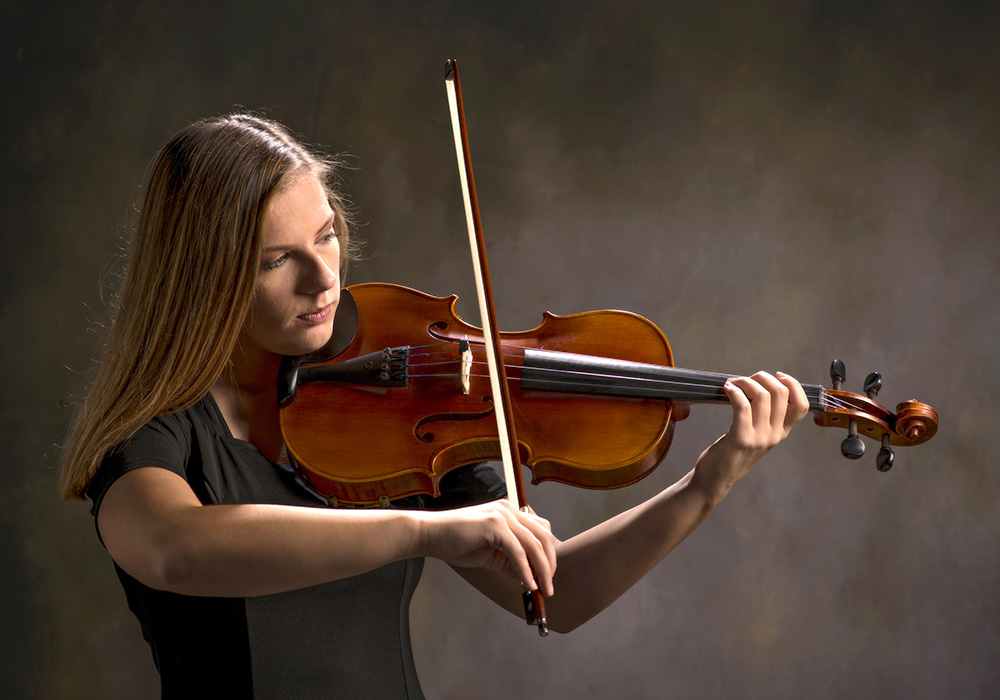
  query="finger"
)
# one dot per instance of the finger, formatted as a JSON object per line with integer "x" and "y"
{"x": 528, "y": 515}
{"x": 779, "y": 402}
{"x": 517, "y": 559}
{"x": 798, "y": 402}
{"x": 521, "y": 539}
{"x": 759, "y": 398}
{"x": 542, "y": 529}
{"x": 742, "y": 416}
{"x": 538, "y": 544}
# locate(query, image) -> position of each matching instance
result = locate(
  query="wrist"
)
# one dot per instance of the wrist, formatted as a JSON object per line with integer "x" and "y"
{"x": 711, "y": 477}
{"x": 422, "y": 534}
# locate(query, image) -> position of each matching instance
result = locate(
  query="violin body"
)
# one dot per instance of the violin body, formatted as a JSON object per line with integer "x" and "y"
{"x": 418, "y": 431}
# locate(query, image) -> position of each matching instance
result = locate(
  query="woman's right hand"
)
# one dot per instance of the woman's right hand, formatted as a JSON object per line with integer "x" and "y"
{"x": 494, "y": 536}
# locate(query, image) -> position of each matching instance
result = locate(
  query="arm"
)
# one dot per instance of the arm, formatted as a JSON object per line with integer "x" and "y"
{"x": 155, "y": 528}
{"x": 599, "y": 565}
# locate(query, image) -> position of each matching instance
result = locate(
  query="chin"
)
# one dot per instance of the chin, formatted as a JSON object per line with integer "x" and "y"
{"x": 297, "y": 342}
{"x": 316, "y": 339}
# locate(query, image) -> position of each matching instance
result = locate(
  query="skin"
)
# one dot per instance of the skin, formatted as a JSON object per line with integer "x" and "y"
{"x": 157, "y": 530}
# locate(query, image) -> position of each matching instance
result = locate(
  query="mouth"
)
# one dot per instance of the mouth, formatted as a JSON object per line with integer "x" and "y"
{"x": 318, "y": 316}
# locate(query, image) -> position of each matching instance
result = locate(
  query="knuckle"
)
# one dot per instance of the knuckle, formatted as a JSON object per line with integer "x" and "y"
{"x": 494, "y": 519}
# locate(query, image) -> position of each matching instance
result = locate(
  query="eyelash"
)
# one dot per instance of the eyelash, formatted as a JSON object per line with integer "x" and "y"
{"x": 268, "y": 265}
{"x": 273, "y": 264}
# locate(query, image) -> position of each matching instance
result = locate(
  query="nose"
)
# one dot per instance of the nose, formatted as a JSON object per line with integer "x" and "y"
{"x": 322, "y": 273}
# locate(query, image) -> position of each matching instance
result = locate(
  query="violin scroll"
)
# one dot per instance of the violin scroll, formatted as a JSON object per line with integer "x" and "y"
{"x": 912, "y": 424}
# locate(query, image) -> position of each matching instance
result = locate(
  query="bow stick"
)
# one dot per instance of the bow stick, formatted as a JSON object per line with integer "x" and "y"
{"x": 534, "y": 603}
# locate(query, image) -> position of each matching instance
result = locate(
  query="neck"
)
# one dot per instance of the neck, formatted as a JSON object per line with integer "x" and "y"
{"x": 544, "y": 370}
{"x": 246, "y": 394}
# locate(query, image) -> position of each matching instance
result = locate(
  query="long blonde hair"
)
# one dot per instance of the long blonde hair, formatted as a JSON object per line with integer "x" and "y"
{"x": 192, "y": 269}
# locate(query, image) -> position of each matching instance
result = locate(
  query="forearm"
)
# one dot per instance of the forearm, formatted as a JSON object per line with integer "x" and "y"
{"x": 597, "y": 566}
{"x": 249, "y": 550}
{"x": 158, "y": 532}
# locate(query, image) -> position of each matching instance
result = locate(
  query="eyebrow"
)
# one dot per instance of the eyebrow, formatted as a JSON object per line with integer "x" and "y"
{"x": 326, "y": 224}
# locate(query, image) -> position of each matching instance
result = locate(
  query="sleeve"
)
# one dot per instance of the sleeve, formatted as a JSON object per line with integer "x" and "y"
{"x": 469, "y": 486}
{"x": 163, "y": 442}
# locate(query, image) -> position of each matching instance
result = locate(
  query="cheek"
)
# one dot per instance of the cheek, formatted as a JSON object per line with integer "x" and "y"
{"x": 266, "y": 313}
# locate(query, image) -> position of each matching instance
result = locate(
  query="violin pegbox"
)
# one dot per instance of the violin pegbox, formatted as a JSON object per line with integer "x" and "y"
{"x": 912, "y": 423}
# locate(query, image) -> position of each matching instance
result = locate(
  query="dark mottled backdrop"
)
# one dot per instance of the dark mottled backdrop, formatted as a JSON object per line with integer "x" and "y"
{"x": 774, "y": 183}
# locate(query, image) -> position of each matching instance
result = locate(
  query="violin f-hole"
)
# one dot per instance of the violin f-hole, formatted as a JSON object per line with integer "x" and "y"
{"x": 428, "y": 437}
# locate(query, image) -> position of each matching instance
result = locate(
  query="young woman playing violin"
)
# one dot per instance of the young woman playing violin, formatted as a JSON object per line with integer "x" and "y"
{"x": 227, "y": 560}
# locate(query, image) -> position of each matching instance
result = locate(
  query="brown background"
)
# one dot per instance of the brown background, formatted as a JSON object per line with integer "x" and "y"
{"x": 774, "y": 183}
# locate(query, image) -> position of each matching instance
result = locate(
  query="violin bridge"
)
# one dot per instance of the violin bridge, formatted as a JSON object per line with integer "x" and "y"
{"x": 466, "y": 358}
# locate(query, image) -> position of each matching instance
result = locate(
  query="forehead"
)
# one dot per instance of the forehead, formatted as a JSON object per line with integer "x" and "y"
{"x": 299, "y": 209}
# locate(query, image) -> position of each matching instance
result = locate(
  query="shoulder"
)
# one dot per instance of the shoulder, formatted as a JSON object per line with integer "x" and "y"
{"x": 166, "y": 442}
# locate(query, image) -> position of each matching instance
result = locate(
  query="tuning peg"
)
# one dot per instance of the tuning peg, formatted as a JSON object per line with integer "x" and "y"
{"x": 873, "y": 383}
{"x": 852, "y": 446}
{"x": 885, "y": 456}
{"x": 838, "y": 373}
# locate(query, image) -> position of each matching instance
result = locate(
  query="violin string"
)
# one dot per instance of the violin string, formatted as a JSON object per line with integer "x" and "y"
{"x": 694, "y": 392}
{"x": 682, "y": 390}
{"x": 816, "y": 394}
{"x": 697, "y": 390}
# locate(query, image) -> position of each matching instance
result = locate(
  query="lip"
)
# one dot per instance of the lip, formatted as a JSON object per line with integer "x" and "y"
{"x": 318, "y": 316}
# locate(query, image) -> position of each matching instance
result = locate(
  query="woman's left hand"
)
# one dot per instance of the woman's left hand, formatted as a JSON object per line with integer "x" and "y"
{"x": 765, "y": 409}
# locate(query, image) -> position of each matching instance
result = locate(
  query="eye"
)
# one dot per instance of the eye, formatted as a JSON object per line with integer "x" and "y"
{"x": 330, "y": 237}
{"x": 274, "y": 264}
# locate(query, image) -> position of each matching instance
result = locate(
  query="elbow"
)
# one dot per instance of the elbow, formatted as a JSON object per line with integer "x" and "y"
{"x": 563, "y": 626}
{"x": 562, "y": 629}
{"x": 169, "y": 568}
{"x": 165, "y": 563}
{"x": 564, "y": 622}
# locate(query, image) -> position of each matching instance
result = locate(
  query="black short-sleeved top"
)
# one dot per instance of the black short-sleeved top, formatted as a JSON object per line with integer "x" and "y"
{"x": 344, "y": 639}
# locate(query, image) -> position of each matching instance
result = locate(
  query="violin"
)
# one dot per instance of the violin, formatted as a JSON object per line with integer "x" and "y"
{"x": 400, "y": 396}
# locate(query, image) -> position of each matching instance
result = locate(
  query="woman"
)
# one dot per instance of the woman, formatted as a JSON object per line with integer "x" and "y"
{"x": 226, "y": 560}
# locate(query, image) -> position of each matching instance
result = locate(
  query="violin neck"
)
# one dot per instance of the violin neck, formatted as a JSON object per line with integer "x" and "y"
{"x": 545, "y": 370}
